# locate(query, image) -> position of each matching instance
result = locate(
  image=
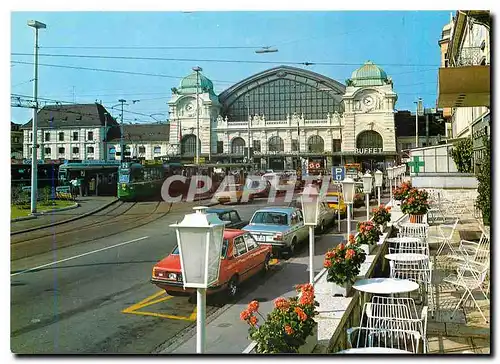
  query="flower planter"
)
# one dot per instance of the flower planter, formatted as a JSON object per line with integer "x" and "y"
{"x": 311, "y": 342}
{"x": 382, "y": 227}
{"x": 367, "y": 248}
{"x": 343, "y": 290}
{"x": 416, "y": 219}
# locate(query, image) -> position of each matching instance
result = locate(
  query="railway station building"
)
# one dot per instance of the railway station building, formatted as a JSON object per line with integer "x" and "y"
{"x": 290, "y": 117}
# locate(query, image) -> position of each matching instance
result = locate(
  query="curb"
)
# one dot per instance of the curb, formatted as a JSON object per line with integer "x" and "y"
{"x": 64, "y": 221}
{"x": 30, "y": 217}
{"x": 36, "y": 214}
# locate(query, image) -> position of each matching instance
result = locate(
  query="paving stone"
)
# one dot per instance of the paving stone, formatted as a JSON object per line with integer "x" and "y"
{"x": 449, "y": 345}
{"x": 326, "y": 328}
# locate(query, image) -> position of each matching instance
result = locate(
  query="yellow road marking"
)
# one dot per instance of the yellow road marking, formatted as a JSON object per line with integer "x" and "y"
{"x": 153, "y": 299}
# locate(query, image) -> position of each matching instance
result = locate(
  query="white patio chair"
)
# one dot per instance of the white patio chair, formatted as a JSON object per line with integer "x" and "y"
{"x": 445, "y": 236}
{"x": 396, "y": 313}
{"x": 468, "y": 251}
{"x": 470, "y": 279}
{"x": 412, "y": 230}
{"x": 419, "y": 272}
{"x": 408, "y": 246}
{"x": 362, "y": 337}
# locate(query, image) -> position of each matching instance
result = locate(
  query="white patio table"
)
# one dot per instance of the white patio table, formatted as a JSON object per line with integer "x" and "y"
{"x": 406, "y": 257}
{"x": 375, "y": 350}
{"x": 382, "y": 286}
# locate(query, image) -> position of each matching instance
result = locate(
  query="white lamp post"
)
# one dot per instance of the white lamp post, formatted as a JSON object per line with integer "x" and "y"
{"x": 378, "y": 182}
{"x": 348, "y": 192}
{"x": 200, "y": 237}
{"x": 390, "y": 176}
{"x": 310, "y": 207}
{"x": 34, "y": 148}
{"x": 367, "y": 188}
{"x": 403, "y": 171}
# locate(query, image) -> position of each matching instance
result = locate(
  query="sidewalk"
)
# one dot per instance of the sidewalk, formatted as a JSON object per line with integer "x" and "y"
{"x": 225, "y": 333}
{"x": 86, "y": 205}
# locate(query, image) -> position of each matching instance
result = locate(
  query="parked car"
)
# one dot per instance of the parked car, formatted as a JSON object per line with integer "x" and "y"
{"x": 253, "y": 185}
{"x": 242, "y": 258}
{"x": 231, "y": 193}
{"x": 282, "y": 227}
{"x": 335, "y": 201}
{"x": 230, "y": 216}
{"x": 326, "y": 216}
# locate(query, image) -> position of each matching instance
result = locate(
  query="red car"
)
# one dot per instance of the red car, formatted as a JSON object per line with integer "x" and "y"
{"x": 242, "y": 258}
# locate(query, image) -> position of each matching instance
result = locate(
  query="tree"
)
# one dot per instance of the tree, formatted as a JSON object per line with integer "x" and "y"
{"x": 462, "y": 155}
{"x": 484, "y": 187}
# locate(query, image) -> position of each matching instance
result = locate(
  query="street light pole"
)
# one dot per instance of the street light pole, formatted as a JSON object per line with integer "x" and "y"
{"x": 197, "y": 70}
{"x": 122, "y": 152}
{"x": 34, "y": 155}
{"x": 419, "y": 102}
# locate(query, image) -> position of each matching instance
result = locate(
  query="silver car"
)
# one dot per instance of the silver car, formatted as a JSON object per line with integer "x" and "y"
{"x": 326, "y": 216}
{"x": 281, "y": 227}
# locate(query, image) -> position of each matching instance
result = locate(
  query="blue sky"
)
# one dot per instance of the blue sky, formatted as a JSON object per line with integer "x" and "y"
{"x": 403, "y": 43}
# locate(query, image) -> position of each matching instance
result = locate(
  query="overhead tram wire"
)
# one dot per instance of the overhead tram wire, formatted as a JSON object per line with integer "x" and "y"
{"x": 151, "y": 47}
{"x": 307, "y": 63}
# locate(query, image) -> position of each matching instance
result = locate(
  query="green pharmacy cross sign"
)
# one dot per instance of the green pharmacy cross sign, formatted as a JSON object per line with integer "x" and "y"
{"x": 416, "y": 164}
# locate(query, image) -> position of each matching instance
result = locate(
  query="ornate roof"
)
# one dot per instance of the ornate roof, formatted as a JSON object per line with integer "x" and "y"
{"x": 188, "y": 85}
{"x": 368, "y": 75}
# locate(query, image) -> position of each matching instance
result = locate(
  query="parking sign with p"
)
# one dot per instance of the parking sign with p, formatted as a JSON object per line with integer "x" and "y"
{"x": 338, "y": 173}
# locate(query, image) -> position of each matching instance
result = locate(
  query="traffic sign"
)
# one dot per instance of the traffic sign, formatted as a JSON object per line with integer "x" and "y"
{"x": 338, "y": 173}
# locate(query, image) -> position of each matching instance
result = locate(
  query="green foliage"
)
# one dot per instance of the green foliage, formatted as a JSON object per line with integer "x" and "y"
{"x": 287, "y": 327}
{"x": 368, "y": 233}
{"x": 484, "y": 187}
{"x": 358, "y": 200}
{"x": 462, "y": 155}
{"x": 416, "y": 203}
{"x": 343, "y": 262}
{"x": 381, "y": 215}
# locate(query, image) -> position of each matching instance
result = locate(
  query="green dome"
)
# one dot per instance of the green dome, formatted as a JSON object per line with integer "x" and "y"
{"x": 369, "y": 75}
{"x": 188, "y": 84}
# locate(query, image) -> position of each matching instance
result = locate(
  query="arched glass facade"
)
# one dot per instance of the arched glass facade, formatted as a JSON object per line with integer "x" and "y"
{"x": 283, "y": 91}
{"x": 276, "y": 144}
{"x": 188, "y": 145}
{"x": 238, "y": 146}
{"x": 369, "y": 139}
{"x": 315, "y": 144}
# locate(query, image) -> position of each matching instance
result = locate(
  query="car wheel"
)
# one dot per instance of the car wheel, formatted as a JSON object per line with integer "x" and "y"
{"x": 293, "y": 246}
{"x": 322, "y": 227}
{"x": 232, "y": 287}
{"x": 266, "y": 266}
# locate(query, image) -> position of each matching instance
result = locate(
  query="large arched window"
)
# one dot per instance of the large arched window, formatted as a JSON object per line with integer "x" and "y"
{"x": 282, "y": 91}
{"x": 276, "y": 144}
{"x": 238, "y": 146}
{"x": 369, "y": 139}
{"x": 315, "y": 144}
{"x": 188, "y": 145}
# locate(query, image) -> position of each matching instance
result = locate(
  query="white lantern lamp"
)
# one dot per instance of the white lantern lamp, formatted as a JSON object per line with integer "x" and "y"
{"x": 378, "y": 182}
{"x": 367, "y": 189}
{"x": 200, "y": 237}
{"x": 309, "y": 198}
{"x": 348, "y": 188}
{"x": 390, "y": 176}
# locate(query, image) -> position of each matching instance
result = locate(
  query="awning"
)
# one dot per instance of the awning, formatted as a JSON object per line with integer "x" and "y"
{"x": 464, "y": 86}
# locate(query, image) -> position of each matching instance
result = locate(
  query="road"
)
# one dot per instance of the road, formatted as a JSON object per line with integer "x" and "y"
{"x": 95, "y": 296}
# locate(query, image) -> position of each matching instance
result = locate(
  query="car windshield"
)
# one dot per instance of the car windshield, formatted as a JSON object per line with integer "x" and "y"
{"x": 223, "y": 254}
{"x": 270, "y": 218}
{"x": 334, "y": 199}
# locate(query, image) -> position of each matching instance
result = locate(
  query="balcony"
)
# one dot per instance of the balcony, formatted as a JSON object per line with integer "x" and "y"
{"x": 464, "y": 86}
{"x": 470, "y": 56}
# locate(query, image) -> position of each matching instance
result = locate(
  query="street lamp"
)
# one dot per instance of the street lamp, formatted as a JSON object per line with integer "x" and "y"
{"x": 403, "y": 172}
{"x": 390, "y": 176}
{"x": 367, "y": 188}
{"x": 378, "y": 182}
{"x": 310, "y": 207}
{"x": 122, "y": 153}
{"x": 348, "y": 185}
{"x": 200, "y": 237}
{"x": 197, "y": 70}
{"x": 34, "y": 154}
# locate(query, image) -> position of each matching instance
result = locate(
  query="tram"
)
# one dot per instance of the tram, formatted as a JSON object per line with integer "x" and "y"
{"x": 142, "y": 180}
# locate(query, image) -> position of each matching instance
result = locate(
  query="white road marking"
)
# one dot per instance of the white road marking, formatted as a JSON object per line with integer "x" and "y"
{"x": 79, "y": 256}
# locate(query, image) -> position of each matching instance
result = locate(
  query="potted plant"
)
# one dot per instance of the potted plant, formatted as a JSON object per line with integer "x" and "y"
{"x": 343, "y": 264}
{"x": 400, "y": 193}
{"x": 358, "y": 200}
{"x": 289, "y": 327}
{"x": 381, "y": 216}
{"x": 416, "y": 204}
{"x": 368, "y": 236}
